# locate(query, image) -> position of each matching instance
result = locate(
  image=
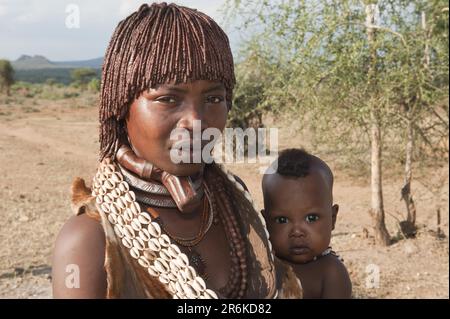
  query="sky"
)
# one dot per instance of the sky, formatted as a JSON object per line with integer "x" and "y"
{"x": 51, "y": 27}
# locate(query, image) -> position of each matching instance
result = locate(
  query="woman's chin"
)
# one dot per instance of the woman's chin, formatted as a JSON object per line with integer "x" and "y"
{"x": 187, "y": 169}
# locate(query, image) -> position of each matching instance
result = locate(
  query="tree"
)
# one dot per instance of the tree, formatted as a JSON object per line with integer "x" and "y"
{"x": 94, "y": 85}
{"x": 82, "y": 76}
{"x": 6, "y": 76}
{"x": 352, "y": 68}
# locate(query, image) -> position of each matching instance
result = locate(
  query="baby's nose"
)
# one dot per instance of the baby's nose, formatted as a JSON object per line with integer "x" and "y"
{"x": 297, "y": 231}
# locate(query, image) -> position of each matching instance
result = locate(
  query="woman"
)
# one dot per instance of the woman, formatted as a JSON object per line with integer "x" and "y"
{"x": 150, "y": 227}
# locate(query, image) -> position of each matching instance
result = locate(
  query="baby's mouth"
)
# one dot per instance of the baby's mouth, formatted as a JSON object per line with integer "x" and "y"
{"x": 299, "y": 249}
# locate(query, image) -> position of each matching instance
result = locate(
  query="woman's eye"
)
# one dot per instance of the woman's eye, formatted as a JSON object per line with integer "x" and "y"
{"x": 214, "y": 99}
{"x": 166, "y": 99}
{"x": 281, "y": 220}
{"x": 311, "y": 218}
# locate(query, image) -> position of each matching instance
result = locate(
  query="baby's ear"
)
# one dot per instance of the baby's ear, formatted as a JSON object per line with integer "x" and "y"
{"x": 334, "y": 212}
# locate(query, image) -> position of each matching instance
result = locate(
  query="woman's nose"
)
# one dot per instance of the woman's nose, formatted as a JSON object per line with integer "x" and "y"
{"x": 193, "y": 117}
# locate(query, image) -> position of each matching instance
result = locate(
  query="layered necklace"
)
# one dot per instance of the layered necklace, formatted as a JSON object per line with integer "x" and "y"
{"x": 215, "y": 207}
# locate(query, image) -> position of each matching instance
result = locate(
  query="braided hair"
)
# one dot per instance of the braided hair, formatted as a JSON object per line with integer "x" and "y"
{"x": 158, "y": 44}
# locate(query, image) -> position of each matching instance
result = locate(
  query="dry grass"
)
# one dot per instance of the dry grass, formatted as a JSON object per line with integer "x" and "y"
{"x": 42, "y": 150}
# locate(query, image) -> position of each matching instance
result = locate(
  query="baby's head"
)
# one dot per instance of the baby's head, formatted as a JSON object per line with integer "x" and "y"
{"x": 298, "y": 206}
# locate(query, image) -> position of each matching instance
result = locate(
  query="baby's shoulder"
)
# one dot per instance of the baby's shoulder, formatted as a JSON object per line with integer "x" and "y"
{"x": 331, "y": 263}
{"x": 337, "y": 282}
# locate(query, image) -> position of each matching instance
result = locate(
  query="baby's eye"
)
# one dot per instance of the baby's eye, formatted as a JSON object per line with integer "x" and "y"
{"x": 281, "y": 220}
{"x": 311, "y": 218}
{"x": 214, "y": 99}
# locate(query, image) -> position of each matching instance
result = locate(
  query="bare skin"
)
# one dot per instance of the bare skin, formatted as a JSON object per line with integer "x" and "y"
{"x": 150, "y": 120}
{"x": 300, "y": 216}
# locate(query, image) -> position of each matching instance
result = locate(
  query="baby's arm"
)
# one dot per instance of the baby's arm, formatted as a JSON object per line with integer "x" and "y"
{"x": 336, "y": 284}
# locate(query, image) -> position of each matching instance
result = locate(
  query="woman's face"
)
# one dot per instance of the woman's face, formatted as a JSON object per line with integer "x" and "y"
{"x": 156, "y": 113}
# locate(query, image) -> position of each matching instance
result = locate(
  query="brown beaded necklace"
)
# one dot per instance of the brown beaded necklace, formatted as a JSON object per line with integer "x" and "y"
{"x": 220, "y": 202}
{"x": 237, "y": 281}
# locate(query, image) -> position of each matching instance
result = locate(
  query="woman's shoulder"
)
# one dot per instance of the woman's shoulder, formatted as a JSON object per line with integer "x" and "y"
{"x": 79, "y": 251}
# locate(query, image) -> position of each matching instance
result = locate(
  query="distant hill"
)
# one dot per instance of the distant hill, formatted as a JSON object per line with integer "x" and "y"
{"x": 37, "y": 62}
{"x": 37, "y": 69}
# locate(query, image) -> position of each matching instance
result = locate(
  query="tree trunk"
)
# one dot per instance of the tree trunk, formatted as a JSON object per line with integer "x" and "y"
{"x": 377, "y": 208}
{"x": 426, "y": 56}
{"x": 406, "y": 189}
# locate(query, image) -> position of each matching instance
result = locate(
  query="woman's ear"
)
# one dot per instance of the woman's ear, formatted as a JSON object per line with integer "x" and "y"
{"x": 334, "y": 212}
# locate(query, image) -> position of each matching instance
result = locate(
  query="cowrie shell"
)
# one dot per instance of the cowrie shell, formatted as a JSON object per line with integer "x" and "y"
{"x": 190, "y": 273}
{"x": 182, "y": 260}
{"x": 164, "y": 240}
{"x": 107, "y": 199}
{"x": 136, "y": 225}
{"x": 134, "y": 206}
{"x": 189, "y": 291}
{"x": 152, "y": 271}
{"x": 112, "y": 218}
{"x": 210, "y": 294}
{"x": 239, "y": 186}
{"x": 116, "y": 177}
{"x": 108, "y": 184}
{"x": 127, "y": 216}
{"x": 114, "y": 209}
{"x": 164, "y": 255}
{"x": 231, "y": 177}
{"x": 144, "y": 218}
{"x": 172, "y": 287}
{"x": 164, "y": 279}
{"x": 149, "y": 254}
{"x": 115, "y": 193}
{"x": 128, "y": 231}
{"x": 138, "y": 243}
{"x": 109, "y": 169}
{"x": 144, "y": 234}
{"x": 134, "y": 252}
{"x": 98, "y": 200}
{"x": 161, "y": 265}
{"x": 102, "y": 191}
{"x": 179, "y": 288}
{"x": 199, "y": 284}
{"x": 154, "y": 244}
{"x": 173, "y": 266}
{"x": 173, "y": 250}
{"x": 123, "y": 187}
{"x": 118, "y": 231}
{"x": 127, "y": 242}
{"x": 120, "y": 220}
{"x": 172, "y": 276}
{"x": 143, "y": 262}
{"x": 129, "y": 197}
{"x": 105, "y": 207}
{"x": 120, "y": 203}
{"x": 181, "y": 277}
{"x": 154, "y": 229}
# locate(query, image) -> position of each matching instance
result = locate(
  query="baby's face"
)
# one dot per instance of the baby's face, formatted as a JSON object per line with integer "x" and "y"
{"x": 300, "y": 215}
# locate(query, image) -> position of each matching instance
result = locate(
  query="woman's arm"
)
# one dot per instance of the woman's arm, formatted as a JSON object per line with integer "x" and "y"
{"x": 78, "y": 260}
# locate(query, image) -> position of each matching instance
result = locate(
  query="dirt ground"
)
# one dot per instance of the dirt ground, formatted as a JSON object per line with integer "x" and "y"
{"x": 44, "y": 144}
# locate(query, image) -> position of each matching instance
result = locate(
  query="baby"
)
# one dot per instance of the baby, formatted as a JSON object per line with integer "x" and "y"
{"x": 300, "y": 215}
